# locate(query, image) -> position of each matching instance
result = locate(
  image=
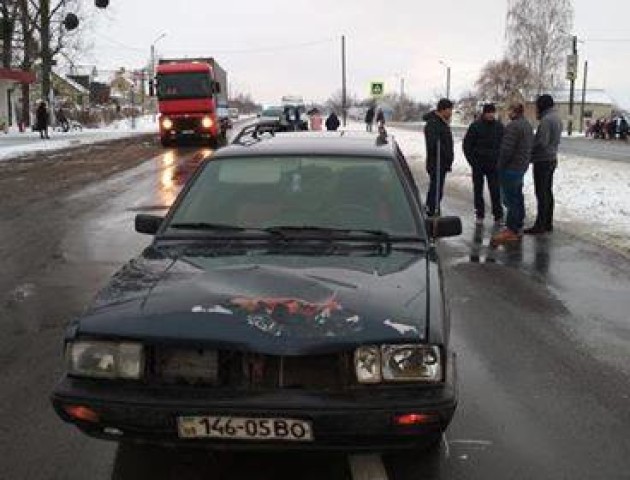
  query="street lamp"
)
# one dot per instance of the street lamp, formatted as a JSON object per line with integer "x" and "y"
{"x": 448, "y": 79}
{"x": 152, "y": 72}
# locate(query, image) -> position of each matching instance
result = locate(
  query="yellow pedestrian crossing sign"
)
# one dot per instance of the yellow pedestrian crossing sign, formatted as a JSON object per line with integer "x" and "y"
{"x": 377, "y": 89}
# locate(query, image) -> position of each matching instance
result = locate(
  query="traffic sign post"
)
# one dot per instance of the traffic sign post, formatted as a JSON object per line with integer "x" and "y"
{"x": 377, "y": 89}
{"x": 572, "y": 66}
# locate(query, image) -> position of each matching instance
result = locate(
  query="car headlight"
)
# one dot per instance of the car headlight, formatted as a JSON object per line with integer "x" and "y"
{"x": 101, "y": 359}
{"x": 206, "y": 122}
{"x": 411, "y": 363}
{"x": 367, "y": 363}
{"x": 167, "y": 123}
{"x": 398, "y": 363}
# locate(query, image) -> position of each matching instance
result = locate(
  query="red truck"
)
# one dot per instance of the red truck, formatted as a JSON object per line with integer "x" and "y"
{"x": 192, "y": 100}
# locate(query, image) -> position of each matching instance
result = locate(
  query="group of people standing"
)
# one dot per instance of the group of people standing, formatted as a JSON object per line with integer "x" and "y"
{"x": 609, "y": 128}
{"x": 316, "y": 121}
{"x": 371, "y": 114}
{"x": 499, "y": 156}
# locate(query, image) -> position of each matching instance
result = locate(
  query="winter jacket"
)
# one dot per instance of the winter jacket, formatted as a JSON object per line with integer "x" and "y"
{"x": 516, "y": 147}
{"x": 369, "y": 115}
{"x": 332, "y": 122}
{"x": 482, "y": 143}
{"x": 41, "y": 118}
{"x": 437, "y": 131}
{"x": 547, "y": 137}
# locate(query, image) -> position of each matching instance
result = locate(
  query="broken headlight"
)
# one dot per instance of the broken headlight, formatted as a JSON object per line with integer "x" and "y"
{"x": 101, "y": 359}
{"x": 411, "y": 363}
{"x": 398, "y": 363}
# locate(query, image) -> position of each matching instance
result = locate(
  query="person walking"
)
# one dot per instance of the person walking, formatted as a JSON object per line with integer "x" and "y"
{"x": 332, "y": 122}
{"x": 439, "y": 146}
{"x": 369, "y": 119}
{"x": 42, "y": 120}
{"x": 482, "y": 144}
{"x": 380, "y": 118}
{"x": 545, "y": 161}
{"x": 514, "y": 158}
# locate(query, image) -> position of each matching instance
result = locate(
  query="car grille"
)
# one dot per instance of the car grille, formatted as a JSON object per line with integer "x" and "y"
{"x": 251, "y": 371}
{"x": 186, "y": 123}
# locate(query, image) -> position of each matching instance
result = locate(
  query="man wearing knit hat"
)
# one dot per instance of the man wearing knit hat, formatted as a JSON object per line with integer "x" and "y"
{"x": 545, "y": 160}
{"x": 482, "y": 144}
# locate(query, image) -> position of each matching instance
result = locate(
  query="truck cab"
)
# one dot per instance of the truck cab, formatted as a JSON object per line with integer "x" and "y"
{"x": 189, "y": 93}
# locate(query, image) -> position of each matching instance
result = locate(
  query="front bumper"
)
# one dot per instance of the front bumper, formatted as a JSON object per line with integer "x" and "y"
{"x": 361, "y": 419}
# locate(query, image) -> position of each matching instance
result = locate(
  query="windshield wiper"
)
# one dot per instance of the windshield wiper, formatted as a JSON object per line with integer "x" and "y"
{"x": 207, "y": 226}
{"x": 309, "y": 231}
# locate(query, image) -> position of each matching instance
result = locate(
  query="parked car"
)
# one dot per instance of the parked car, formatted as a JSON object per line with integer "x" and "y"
{"x": 271, "y": 113}
{"x": 234, "y": 113}
{"x": 292, "y": 297}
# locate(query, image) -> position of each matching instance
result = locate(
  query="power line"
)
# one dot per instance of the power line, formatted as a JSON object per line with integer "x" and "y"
{"x": 277, "y": 48}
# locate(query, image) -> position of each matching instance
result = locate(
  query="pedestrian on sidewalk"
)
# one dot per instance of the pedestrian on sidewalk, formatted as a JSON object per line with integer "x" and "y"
{"x": 369, "y": 119}
{"x": 42, "y": 120}
{"x": 380, "y": 118}
{"x": 439, "y": 146}
{"x": 332, "y": 122}
{"x": 545, "y": 161}
{"x": 482, "y": 144}
{"x": 514, "y": 158}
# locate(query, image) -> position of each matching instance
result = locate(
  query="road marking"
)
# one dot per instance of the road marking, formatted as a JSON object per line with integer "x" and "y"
{"x": 367, "y": 467}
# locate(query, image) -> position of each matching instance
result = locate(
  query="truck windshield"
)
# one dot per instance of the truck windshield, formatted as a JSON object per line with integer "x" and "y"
{"x": 183, "y": 85}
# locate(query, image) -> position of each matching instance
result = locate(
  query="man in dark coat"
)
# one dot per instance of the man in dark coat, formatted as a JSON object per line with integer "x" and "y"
{"x": 514, "y": 158}
{"x": 439, "y": 144}
{"x": 42, "y": 120}
{"x": 482, "y": 144}
{"x": 332, "y": 122}
{"x": 545, "y": 161}
{"x": 369, "y": 119}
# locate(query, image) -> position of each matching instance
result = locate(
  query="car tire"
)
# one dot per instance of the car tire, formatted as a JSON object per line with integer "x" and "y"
{"x": 166, "y": 142}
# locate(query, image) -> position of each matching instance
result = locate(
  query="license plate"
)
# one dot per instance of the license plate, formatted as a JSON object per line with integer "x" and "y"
{"x": 188, "y": 132}
{"x": 239, "y": 428}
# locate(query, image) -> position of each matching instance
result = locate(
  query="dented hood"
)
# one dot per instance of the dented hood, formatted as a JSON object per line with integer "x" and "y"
{"x": 276, "y": 306}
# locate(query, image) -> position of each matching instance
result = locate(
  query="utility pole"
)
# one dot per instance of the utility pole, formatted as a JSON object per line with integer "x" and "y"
{"x": 572, "y": 90}
{"x": 343, "y": 79}
{"x": 402, "y": 88}
{"x": 583, "y": 96}
{"x": 448, "y": 79}
{"x": 44, "y": 6}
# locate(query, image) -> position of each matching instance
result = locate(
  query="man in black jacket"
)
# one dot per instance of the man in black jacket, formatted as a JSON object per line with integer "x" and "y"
{"x": 482, "y": 144}
{"x": 439, "y": 143}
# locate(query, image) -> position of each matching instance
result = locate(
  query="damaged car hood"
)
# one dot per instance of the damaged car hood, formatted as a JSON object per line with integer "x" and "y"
{"x": 280, "y": 305}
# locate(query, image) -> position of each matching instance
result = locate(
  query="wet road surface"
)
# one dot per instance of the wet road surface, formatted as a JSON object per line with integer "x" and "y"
{"x": 542, "y": 333}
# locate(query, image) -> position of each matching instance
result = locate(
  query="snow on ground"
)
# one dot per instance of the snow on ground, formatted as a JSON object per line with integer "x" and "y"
{"x": 16, "y": 144}
{"x": 592, "y": 196}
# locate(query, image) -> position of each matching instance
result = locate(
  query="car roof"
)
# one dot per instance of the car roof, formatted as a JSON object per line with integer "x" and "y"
{"x": 313, "y": 144}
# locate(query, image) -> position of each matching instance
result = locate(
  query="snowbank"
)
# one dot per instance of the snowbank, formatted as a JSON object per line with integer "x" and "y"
{"x": 592, "y": 196}
{"x": 15, "y": 144}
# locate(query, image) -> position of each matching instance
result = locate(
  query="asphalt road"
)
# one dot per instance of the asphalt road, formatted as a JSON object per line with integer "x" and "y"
{"x": 583, "y": 147}
{"x": 542, "y": 334}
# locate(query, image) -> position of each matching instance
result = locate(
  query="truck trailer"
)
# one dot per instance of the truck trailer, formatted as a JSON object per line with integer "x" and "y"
{"x": 191, "y": 93}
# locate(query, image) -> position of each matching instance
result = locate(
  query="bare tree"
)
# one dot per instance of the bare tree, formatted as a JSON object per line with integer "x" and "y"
{"x": 538, "y": 34}
{"x": 500, "y": 80}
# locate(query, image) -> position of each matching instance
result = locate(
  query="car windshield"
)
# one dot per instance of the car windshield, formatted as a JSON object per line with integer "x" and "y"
{"x": 272, "y": 112}
{"x": 183, "y": 85}
{"x": 294, "y": 192}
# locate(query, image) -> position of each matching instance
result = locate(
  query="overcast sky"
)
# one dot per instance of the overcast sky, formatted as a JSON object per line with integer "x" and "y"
{"x": 276, "y": 47}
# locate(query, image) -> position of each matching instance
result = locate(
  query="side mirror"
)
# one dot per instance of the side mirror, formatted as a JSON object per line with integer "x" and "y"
{"x": 148, "y": 224}
{"x": 258, "y": 115}
{"x": 217, "y": 87}
{"x": 151, "y": 88}
{"x": 441, "y": 227}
